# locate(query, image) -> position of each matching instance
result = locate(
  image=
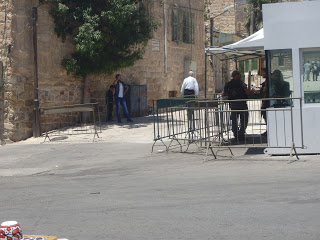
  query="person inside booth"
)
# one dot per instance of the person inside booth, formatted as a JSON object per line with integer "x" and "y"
{"x": 279, "y": 88}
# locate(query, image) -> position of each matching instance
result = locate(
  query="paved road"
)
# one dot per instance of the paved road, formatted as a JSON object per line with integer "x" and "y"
{"x": 122, "y": 191}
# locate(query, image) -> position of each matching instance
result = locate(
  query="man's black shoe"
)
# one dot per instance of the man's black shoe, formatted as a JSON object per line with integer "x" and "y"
{"x": 129, "y": 120}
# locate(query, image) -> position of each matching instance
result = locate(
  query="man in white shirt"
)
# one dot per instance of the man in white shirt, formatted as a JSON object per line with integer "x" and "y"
{"x": 307, "y": 69}
{"x": 190, "y": 87}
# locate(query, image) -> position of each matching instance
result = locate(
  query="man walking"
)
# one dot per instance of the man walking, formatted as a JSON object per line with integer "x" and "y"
{"x": 236, "y": 89}
{"x": 120, "y": 91}
{"x": 190, "y": 87}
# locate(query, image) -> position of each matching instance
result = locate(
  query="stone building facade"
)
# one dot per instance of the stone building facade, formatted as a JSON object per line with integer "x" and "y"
{"x": 55, "y": 86}
{"x": 232, "y": 21}
{"x": 166, "y": 60}
{"x": 162, "y": 69}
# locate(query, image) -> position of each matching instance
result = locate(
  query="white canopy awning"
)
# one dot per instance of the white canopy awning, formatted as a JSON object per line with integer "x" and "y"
{"x": 248, "y": 48}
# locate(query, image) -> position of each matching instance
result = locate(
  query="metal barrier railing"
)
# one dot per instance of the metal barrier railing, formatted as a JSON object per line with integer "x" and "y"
{"x": 162, "y": 116}
{"x": 69, "y": 120}
{"x": 207, "y": 123}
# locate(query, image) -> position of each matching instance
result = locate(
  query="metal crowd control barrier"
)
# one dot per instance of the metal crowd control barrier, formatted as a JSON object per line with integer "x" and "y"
{"x": 68, "y": 120}
{"x": 207, "y": 123}
{"x": 165, "y": 122}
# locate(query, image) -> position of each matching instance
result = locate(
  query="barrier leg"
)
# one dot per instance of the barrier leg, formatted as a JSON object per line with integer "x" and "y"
{"x": 161, "y": 142}
{"x": 293, "y": 149}
{"x": 95, "y": 127}
{"x": 214, "y": 155}
{"x": 174, "y": 139}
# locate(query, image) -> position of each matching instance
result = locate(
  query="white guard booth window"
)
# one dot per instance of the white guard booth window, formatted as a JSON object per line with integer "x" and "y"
{"x": 281, "y": 76}
{"x": 310, "y": 75}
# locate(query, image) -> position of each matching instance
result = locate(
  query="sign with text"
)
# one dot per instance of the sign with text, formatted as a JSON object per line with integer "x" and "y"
{"x": 155, "y": 45}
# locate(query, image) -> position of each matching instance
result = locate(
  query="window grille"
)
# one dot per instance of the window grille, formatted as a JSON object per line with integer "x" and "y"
{"x": 175, "y": 25}
{"x": 188, "y": 27}
{"x": 182, "y": 26}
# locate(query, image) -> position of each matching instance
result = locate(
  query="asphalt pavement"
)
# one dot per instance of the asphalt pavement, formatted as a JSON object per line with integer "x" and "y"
{"x": 123, "y": 191}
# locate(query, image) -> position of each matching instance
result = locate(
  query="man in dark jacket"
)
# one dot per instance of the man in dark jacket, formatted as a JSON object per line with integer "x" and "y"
{"x": 236, "y": 89}
{"x": 120, "y": 91}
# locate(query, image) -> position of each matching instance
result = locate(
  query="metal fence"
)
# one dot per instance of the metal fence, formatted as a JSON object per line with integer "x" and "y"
{"x": 169, "y": 117}
{"x": 76, "y": 119}
{"x": 207, "y": 124}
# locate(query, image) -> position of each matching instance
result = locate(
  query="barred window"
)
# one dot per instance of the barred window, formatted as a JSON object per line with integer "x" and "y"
{"x": 188, "y": 27}
{"x": 148, "y": 5}
{"x": 182, "y": 26}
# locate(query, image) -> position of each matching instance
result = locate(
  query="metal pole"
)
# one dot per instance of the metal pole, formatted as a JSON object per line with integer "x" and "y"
{"x": 251, "y": 32}
{"x": 205, "y": 75}
{"x": 36, "y": 111}
{"x": 211, "y": 31}
{"x": 268, "y": 67}
{"x": 211, "y": 44}
{"x": 165, "y": 38}
{"x": 301, "y": 123}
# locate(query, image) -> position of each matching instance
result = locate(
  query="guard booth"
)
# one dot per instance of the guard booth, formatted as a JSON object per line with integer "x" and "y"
{"x": 290, "y": 43}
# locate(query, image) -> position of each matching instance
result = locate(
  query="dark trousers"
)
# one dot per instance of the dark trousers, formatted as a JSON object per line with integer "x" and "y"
{"x": 264, "y": 114}
{"x": 188, "y": 93}
{"x": 190, "y": 113}
{"x": 315, "y": 76}
{"x": 265, "y": 105}
{"x": 239, "y": 132}
{"x": 109, "y": 111}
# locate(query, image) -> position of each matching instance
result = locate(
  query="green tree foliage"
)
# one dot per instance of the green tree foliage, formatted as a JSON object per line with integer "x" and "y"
{"x": 257, "y": 13}
{"x": 108, "y": 34}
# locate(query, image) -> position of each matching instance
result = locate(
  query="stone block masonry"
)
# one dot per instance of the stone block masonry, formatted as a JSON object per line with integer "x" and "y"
{"x": 162, "y": 68}
{"x": 151, "y": 70}
{"x": 53, "y": 80}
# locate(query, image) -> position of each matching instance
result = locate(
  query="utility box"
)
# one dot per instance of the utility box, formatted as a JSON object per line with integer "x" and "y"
{"x": 137, "y": 100}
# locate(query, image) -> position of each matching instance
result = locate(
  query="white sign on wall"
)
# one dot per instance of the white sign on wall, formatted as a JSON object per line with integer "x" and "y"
{"x": 155, "y": 45}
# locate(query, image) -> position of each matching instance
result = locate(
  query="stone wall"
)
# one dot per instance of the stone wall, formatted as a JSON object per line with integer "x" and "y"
{"x": 150, "y": 70}
{"x": 56, "y": 88}
{"x": 2, "y": 23}
{"x": 5, "y": 39}
{"x": 226, "y": 22}
{"x": 240, "y": 18}
{"x": 232, "y": 21}
{"x": 219, "y": 71}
